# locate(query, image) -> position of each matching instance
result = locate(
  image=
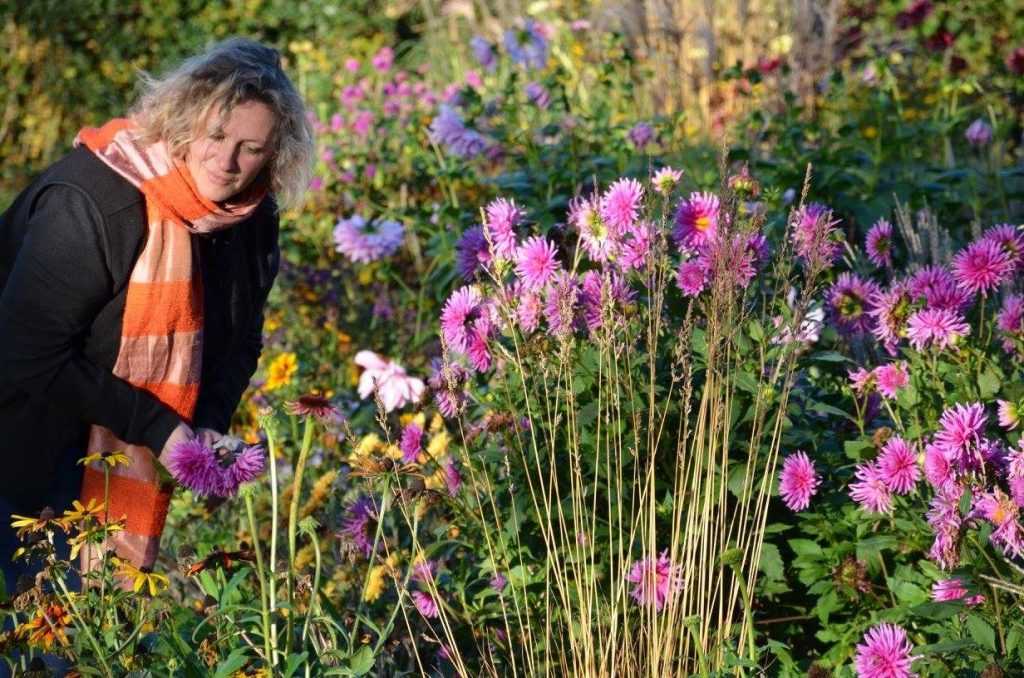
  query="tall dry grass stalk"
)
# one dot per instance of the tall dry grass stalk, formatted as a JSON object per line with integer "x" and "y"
{"x": 637, "y": 447}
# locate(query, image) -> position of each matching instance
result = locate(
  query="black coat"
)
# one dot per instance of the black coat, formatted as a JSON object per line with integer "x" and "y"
{"x": 68, "y": 244}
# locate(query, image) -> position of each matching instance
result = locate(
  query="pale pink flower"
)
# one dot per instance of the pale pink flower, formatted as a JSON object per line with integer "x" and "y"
{"x": 665, "y": 180}
{"x": 892, "y": 378}
{"x": 388, "y": 380}
{"x": 871, "y": 490}
{"x": 938, "y": 327}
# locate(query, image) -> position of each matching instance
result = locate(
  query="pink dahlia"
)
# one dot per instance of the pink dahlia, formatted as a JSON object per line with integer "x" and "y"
{"x": 891, "y": 378}
{"x": 1011, "y": 240}
{"x": 897, "y": 465}
{"x": 890, "y": 310}
{"x": 815, "y": 237}
{"x": 425, "y": 604}
{"x": 656, "y": 580}
{"x": 954, "y": 589}
{"x": 961, "y": 429}
{"x": 597, "y": 237}
{"x": 945, "y": 520}
{"x": 696, "y": 220}
{"x": 871, "y": 490}
{"x": 885, "y": 653}
{"x": 459, "y": 315}
{"x": 937, "y": 468}
{"x": 692, "y": 276}
{"x": 411, "y": 443}
{"x": 536, "y": 263}
{"x": 862, "y": 380}
{"x": 878, "y": 243}
{"x": 502, "y": 218}
{"x": 939, "y": 289}
{"x": 849, "y": 301}
{"x": 248, "y": 465}
{"x": 1010, "y": 321}
{"x": 636, "y": 246}
{"x": 798, "y": 481}
{"x": 621, "y": 202}
{"x": 982, "y": 266}
{"x": 665, "y": 179}
{"x": 938, "y": 327}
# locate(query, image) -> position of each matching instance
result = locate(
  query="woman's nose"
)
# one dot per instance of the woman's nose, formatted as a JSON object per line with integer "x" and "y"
{"x": 227, "y": 158}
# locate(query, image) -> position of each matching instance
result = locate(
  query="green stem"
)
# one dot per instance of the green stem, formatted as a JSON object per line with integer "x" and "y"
{"x": 272, "y": 578}
{"x": 293, "y": 516}
{"x": 261, "y": 575}
{"x": 66, "y": 595}
{"x": 314, "y": 594}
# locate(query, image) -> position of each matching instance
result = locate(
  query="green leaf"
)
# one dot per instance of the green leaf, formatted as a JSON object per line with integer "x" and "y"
{"x": 938, "y": 611}
{"x": 771, "y": 562}
{"x": 988, "y": 384}
{"x": 855, "y": 449}
{"x": 805, "y": 548}
{"x": 234, "y": 661}
{"x": 829, "y": 357}
{"x": 944, "y": 647}
{"x": 982, "y": 632}
{"x": 755, "y": 330}
{"x": 362, "y": 661}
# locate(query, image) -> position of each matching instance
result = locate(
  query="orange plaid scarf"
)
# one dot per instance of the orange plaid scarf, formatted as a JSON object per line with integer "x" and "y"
{"x": 162, "y": 332}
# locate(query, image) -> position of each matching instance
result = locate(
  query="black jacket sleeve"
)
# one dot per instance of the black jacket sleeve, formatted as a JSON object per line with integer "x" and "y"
{"x": 59, "y": 281}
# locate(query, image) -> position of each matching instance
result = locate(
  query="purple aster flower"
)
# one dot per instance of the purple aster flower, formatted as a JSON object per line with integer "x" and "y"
{"x": 536, "y": 263}
{"x": 425, "y": 604}
{"x": 1010, "y": 321}
{"x": 351, "y": 95}
{"x": 424, "y": 571}
{"x": 383, "y": 59}
{"x": 194, "y": 466}
{"x": 640, "y": 135}
{"x": 798, "y": 481}
{"x": 937, "y": 327}
{"x": 412, "y": 443}
{"x": 945, "y": 521}
{"x": 596, "y": 236}
{"x": 981, "y": 266}
{"x": 979, "y": 133}
{"x": 850, "y": 303}
{"x": 891, "y": 378}
{"x": 365, "y": 242}
{"x": 871, "y": 490}
{"x": 459, "y": 315}
{"x": 448, "y": 129}
{"x": 939, "y": 289}
{"x": 885, "y": 653}
{"x": 620, "y": 204}
{"x": 878, "y": 243}
{"x": 452, "y": 477}
{"x": 696, "y": 220}
{"x": 483, "y": 50}
{"x": 249, "y": 464}
{"x": 537, "y": 95}
{"x": 1002, "y": 512}
{"x": 960, "y": 433}
{"x": 448, "y": 381}
{"x": 815, "y": 237}
{"x": 359, "y": 526}
{"x": 502, "y": 217}
{"x": 528, "y": 46}
{"x": 890, "y": 310}
{"x": 692, "y": 276}
{"x": 477, "y": 348}
{"x": 1011, "y": 240}
{"x": 665, "y": 180}
{"x": 656, "y": 581}
{"x": 472, "y": 253}
{"x": 600, "y": 292}
{"x": 498, "y": 582}
{"x": 561, "y": 304}
{"x": 897, "y": 465}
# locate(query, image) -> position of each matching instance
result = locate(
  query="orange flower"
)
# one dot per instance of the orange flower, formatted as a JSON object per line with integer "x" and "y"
{"x": 47, "y": 626}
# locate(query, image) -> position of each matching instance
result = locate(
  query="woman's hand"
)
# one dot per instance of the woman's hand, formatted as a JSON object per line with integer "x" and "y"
{"x": 179, "y": 435}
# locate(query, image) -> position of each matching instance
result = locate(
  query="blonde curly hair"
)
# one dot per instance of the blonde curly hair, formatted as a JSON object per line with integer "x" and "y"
{"x": 173, "y": 107}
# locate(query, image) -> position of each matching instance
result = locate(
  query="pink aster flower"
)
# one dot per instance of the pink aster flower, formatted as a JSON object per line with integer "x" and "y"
{"x": 871, "y": 490}
{"x": 656, "y": 581}
{"x": 452, "y": 477}
{"x": 502, "y": 217}
{"x": 849, "y": 301}
{"x": 1009, "y": 414}
{"x": 885, "y": 653}
{"x": 423, "y": 571}
{"x": 982, "y": 266}
{"x": 459, "y": 315}
{"x": 621, "y": 203}
{"x": 635, "y": 249}
{"x": 536, "y": 263}
{"x": 692, "y": 276}
{"x": 498, "y": 582}
{"x": 425, "y": 604}
{"x": 194, "y": 466}
{"x": 890, "y": 310}
{"x": 937, "y": 327}
{"x": 383, "y": 59}
{"x": 448, "y": 382}
{"x": 878, "y": 243}
{"x": 897, "y": 465}
{"x": 1010, "y": 321}
{"x": 892, "y": 378}
{"x": 944, "y": 518}
{"x": 665, "y": 180}
{"x": 696, "y": 220}
{"x": 937, "y": 468}
{"x": 472, "y": 253}
{"x": 597, "y": 237}
{"x": 1000, "y": 510}
{"x": 862, "y": 380}
{"x": 1011, "y": 240}
{"x": 798, "y": 481}
{"x": 815, "y": 237}
{"x": 412, "y": 443}
{"x": 960, "y": 433}
{"x": 954, "y": 589}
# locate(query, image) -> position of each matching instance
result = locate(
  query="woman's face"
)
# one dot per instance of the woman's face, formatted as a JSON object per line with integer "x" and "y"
{"x": 228, "y": 154}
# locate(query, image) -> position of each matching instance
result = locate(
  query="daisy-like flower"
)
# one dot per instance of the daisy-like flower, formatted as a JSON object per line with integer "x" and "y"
{"x": 890, "y": 310}
{"x": 596, "y": 236}
{"x": 1010, "y": 320}
{"x": 938, "y": 327}
{"x": 388, "y": 379}
{"x": 850, "y": 303}
{"x": 449, "y": 130}
{"x": 656, "y": 580}
{"x": 502, "y": 218}
{"x": 878, "y": 244}
{"x": 815, "y": 237}
{"x": 692, "y": 276}
{"x": 359, "y": 526}
{"x": 960, "y": 432}
{"x": 944, "y": 518}
{"x": 891, "y": 378}
{"x": 798, "y": 481}
{"x": 885, "y": 653}
{"x": 954, "y": 589}
{"x": 498, "y": 582}
{"x": 363, "y": 242}
{"x": 561, "y": 304}
{"x": 696, "y": 220}
{"x": 620, "y": 204}
{"x": 939, "y": 289}
{"x": 897, "y": 465}
{"x": 248, "y": 465}
{"x": 1011, "y": 240}
{"x": 979, "y": 133}
{"x": 425, "y": 604}
{"x": 1009, "y": 414}
{"x": 666, "y": 179}
{"x": 536, "y": 263}
{"x": 871, "y": 491}
{"x": 982, "y": 266}
{"x": 635, "y": 248}
{"x": 862, "y": 380}
{"x": 411, "y": 443}
{"x": 472, "y": 253}
{"x": 312, "y": 405}
{"x": 1000, "y": 510}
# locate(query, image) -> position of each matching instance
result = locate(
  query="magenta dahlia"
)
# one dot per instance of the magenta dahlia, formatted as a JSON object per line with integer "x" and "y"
{"x": 982, "y": 266}
{"x": 885, "y": 653}
{"x": 536, "y": 263}
{"x": 656, "y": 581}
{"x": 938, "y": 327}
{"x": 696, "y": 220}
{"x": 871, "y": 491}
{"x": 621, "y": 203}
{"x": 798, "y": 481}
{"x": 502, "y": 218}
{"x": 878, "y": 243}
{"x": 897, "y": 465}
{"x": 891, "y": 378}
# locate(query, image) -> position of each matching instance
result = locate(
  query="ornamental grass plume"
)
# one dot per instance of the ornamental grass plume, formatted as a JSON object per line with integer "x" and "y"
{"x": 655, "y": 580}
{"x": 885, "y": 653}
{"x": 814, "y": 235}
{"x": 798, "y": 481}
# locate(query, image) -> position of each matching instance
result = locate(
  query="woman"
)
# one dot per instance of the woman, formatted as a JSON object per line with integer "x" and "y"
{"x": 133, "y": 274}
